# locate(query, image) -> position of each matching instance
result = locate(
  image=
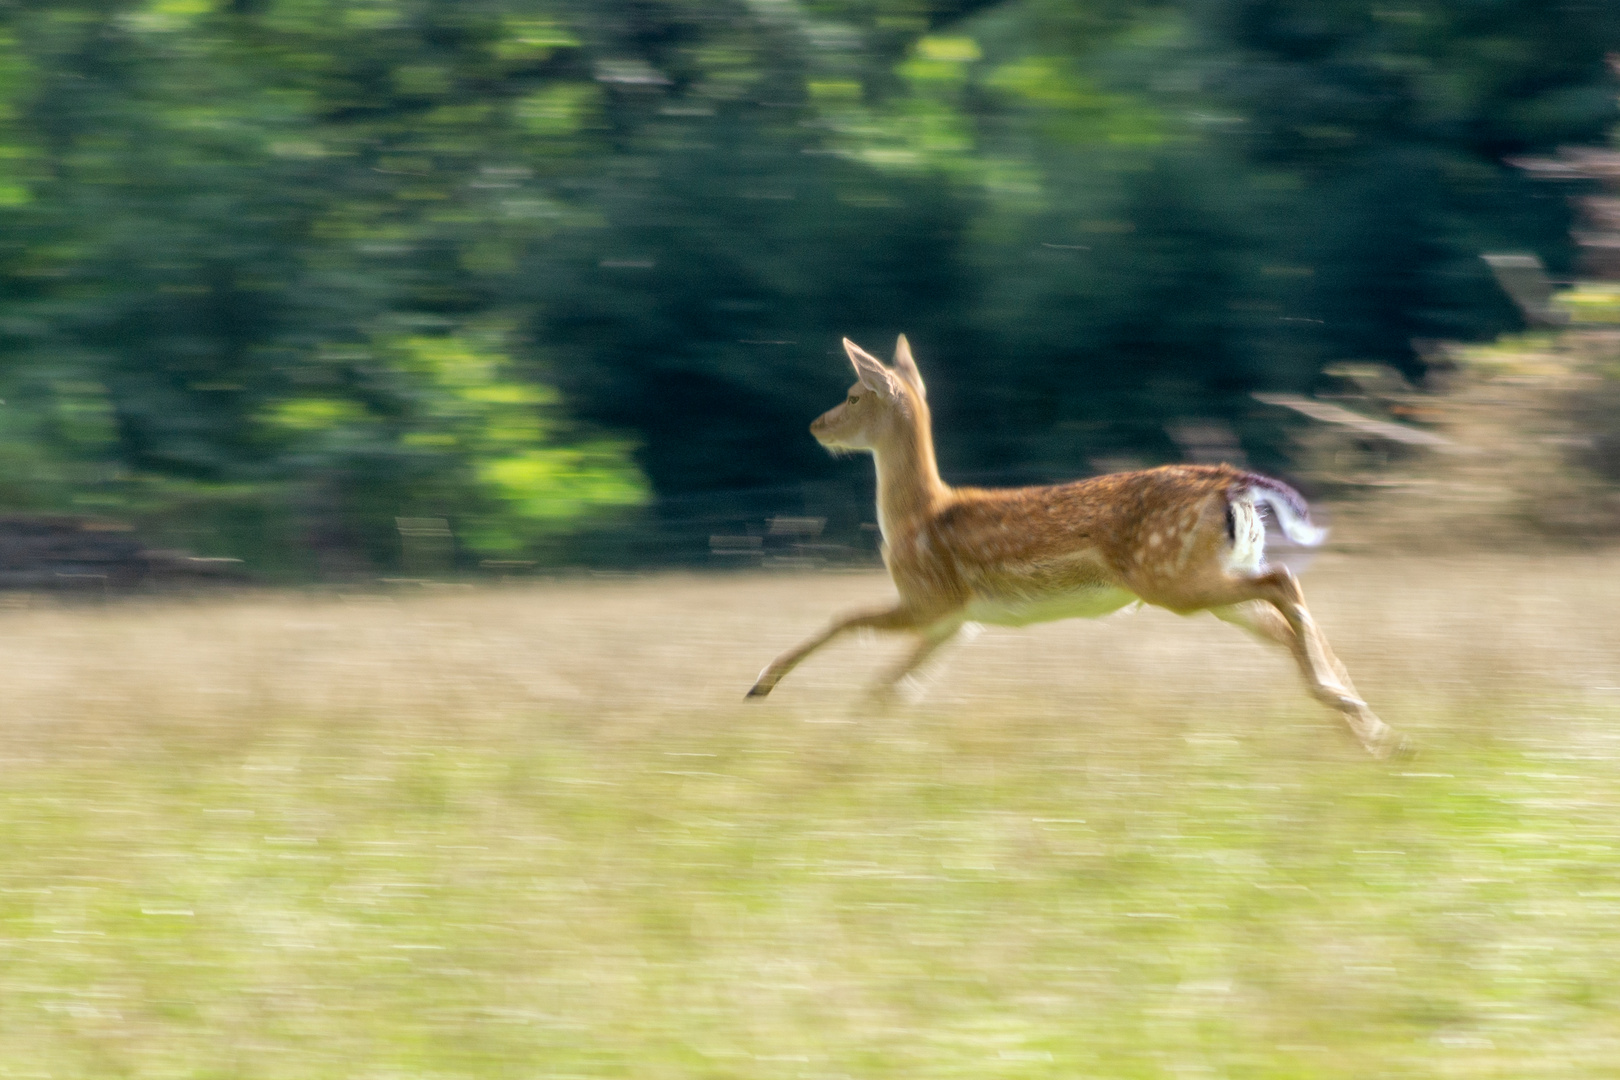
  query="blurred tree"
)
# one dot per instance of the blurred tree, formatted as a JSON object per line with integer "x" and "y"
{"x": 277, "y": 272}
{"x": 1189, "y": 201}
{"x": 1093, "y": 218}
{"x": 241, "y": 230}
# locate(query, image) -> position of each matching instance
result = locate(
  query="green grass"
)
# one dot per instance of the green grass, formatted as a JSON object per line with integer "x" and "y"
{"x": 536, "y": 834}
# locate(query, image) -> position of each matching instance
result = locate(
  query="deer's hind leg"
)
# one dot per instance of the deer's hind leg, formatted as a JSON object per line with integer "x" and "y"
{"x": 1277, "y": 613}
{"x": 931, "y": 639}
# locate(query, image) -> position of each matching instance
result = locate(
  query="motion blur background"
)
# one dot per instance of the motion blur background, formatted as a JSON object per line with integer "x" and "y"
{"x": 408, "y": 300}
{"x": 351, "y": 287}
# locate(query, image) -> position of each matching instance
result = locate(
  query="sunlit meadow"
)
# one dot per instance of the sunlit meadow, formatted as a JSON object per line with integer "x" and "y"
{"x": 536, "y": 832}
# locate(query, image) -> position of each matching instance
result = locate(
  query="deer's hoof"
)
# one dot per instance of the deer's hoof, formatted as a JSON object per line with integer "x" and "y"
{"x": 1406, "y": 748}
{"x": 1395, "y": 747}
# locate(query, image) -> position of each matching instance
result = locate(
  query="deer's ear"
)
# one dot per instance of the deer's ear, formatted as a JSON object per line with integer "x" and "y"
{"x": 872, "y": 372}
{"x": 907, "y": 367}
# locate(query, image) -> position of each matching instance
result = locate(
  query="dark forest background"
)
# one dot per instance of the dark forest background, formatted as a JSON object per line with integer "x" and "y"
{"x": 570, "y": 275}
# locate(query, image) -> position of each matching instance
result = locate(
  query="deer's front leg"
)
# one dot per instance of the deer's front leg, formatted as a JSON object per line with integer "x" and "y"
{"x": 895, "y": 618}
{"x": 1278, "y": 614}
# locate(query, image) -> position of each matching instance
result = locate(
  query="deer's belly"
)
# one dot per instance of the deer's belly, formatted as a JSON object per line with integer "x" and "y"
{"x": 1087, "y": 602}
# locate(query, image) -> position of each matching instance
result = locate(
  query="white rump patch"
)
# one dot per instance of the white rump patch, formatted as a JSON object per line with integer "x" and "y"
{"x": 1295, "y": 525}
{"x": 1248, "y": 552}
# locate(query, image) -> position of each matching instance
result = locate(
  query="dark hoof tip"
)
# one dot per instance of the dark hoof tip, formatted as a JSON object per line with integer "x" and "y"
{"x": 755, "y": 691}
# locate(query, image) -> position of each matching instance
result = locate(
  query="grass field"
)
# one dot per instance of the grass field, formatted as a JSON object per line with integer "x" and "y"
{"x": 536, "y": 832}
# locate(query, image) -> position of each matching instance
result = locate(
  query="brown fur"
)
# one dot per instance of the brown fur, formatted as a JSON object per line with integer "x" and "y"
{"x": 1157, "y": 533}
{"x": 1163, "y": 536}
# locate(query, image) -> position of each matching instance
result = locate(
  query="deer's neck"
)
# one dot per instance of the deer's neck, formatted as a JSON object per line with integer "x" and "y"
{"x": 909, "y": 488}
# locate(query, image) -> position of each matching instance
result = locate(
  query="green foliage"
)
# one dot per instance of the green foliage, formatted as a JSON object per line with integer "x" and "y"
{"x": 258, "y": 247}
{"x": 265, "y": 244}
{"x": 448, "y": 431}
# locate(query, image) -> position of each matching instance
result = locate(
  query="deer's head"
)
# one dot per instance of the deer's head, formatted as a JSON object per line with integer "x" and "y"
{"x": 884, "y": 404}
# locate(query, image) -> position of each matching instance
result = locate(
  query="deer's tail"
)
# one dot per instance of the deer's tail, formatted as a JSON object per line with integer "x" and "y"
{"x": 1288, "y": 507}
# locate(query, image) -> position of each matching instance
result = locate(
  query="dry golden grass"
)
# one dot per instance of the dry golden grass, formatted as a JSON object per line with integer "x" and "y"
{"x": 537, "y": 832}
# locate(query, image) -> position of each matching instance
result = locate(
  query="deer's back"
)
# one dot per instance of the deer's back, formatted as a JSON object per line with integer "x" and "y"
{"x": 1078, "y": 549}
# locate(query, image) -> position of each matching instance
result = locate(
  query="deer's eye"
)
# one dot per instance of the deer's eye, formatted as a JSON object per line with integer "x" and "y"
{"x": 852, "y": 399}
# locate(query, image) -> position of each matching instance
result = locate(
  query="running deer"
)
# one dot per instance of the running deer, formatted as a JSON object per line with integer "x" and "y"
{"x": 1184, "y": 537}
